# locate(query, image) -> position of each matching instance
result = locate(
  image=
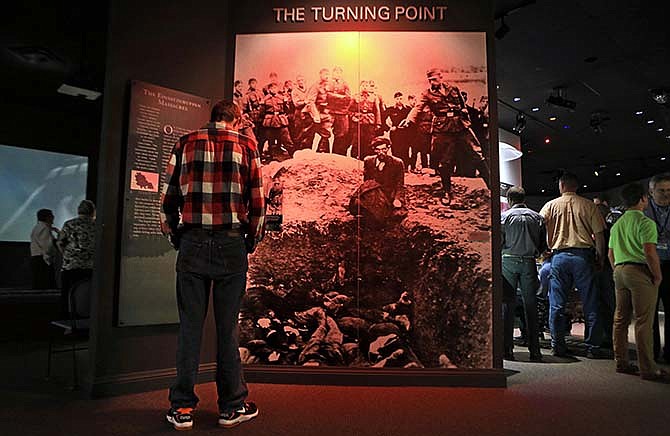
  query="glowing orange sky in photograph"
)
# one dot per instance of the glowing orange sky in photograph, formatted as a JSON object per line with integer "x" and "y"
{"x": 396, "y": 61}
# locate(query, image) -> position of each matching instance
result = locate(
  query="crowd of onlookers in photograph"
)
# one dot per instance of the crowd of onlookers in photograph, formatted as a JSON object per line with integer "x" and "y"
{"x": 618, "y": 261}
{"x": 288, "y": 116}
{"x": 437, "y": 133}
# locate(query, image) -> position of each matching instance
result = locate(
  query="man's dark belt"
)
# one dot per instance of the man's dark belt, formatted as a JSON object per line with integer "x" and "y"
{"x": 571, "y": 249}
{"x": 515, "y": 256}
{"x": 232, "y": 230}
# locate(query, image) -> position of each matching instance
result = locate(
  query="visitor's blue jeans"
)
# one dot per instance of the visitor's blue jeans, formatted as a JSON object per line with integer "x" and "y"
{"x": 218, "y": 261}
{"x": 573, "y": 268}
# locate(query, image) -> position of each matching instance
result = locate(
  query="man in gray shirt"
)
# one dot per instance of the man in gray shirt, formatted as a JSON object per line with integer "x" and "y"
{"x": 659, "y": 211}
{"x": 524, "y": 238}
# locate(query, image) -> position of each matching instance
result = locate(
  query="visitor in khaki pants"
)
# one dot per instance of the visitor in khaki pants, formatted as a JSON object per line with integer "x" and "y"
{"x": 637, "y": 274}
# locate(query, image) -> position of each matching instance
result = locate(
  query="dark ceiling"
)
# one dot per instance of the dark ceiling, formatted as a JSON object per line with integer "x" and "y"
{"x": 605, "y": 54}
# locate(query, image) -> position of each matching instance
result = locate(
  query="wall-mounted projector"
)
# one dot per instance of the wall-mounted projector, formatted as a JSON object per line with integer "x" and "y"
{"x": 557, "y": 100}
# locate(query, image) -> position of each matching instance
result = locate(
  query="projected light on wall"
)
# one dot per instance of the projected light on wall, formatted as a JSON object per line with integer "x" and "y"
{"x": 33, "y": 180}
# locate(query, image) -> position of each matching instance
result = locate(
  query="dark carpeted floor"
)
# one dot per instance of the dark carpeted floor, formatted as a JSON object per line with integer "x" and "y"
{"x": 561, "y": 396}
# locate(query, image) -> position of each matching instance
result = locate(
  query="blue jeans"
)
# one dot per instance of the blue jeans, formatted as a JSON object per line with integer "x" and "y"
{"x": 573, "y": 268}
{"x": 218, "y": 261}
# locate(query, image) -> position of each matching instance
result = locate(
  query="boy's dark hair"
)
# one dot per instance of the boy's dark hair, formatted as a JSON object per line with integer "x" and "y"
{"x": 44, "y": 214}
{"x": 631, "y": 194}
{"x": 516, "y": 195}
{"x": 225, "y": 110}
{"x": 237, "y": 82}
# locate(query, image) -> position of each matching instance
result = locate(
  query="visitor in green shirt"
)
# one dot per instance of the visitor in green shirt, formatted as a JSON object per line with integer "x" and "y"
{"x": 637, "y": 274}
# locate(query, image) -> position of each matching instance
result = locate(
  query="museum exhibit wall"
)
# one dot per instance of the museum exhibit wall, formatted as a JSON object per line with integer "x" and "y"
{"x": 352, "y": 284}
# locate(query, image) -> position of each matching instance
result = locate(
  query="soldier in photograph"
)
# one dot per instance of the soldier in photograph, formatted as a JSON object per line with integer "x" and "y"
{"x": 252, "y": 107}
{"x": 339, "y": 99}
{"x": 238, "y": 95}
{"x": 451, "y": 133}
{"x": 317, "y": 109}
{"x": 301, "y": 120}
{"x": 399, "y": 136}
{"x": 365, "y": 121}
{"x": 275, "y": 123}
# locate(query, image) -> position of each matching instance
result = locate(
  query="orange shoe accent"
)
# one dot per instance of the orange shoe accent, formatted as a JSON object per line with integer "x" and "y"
{"x": 185, "y": 410}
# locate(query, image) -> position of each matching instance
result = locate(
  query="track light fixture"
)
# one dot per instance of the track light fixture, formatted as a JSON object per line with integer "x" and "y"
{"x": 503, "y": 29}
{"x": 520, "y": 124}
{"x": 660, "y": 95}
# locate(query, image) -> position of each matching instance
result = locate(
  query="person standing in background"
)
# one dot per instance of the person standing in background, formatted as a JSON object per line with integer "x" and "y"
{"x": 659, "y": 211}
{"x": 77, "y": 243}
{"x": 575, "y": 235}
{"x": 637, "y": 274}
{"x": 524, "y": 239}
{"x": 42, "y": 250}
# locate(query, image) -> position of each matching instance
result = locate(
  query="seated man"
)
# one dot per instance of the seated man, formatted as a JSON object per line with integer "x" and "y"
{"x": 383, "y": 183}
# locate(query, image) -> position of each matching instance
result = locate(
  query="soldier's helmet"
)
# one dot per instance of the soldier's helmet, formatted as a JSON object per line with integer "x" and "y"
{"x": 434, "y": 73}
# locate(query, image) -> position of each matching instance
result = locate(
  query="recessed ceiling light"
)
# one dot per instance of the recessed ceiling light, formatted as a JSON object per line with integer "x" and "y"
{"x": 535, "y": 109}
{"x": 639, "y": 113}
{"x": 667, "y": 136}
{"x": 596, "y": 173}
{"x": 585, "y": 186}
{"x": 547, "y": 140}
{"x": 552, "y": 118}
{"x": 663, "y": 158}
{"x": 542, "y": 190}
{"x": 517, "y": 98}
{"x": 497, "y": 86}
{"x": 660, "y": 129}
{"x": 650, "y": 121}
{"x": 618, "y": 174}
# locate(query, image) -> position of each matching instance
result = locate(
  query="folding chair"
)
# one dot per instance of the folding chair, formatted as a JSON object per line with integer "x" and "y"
{"x": 71, "y": 335}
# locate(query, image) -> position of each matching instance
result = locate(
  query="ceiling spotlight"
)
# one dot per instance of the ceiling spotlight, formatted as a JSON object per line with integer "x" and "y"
{"x": 547, "y": 140}
{"x": 517, "y": 99}
{"x": 663, "y": 158}
{"x": 520, "y": 124}
{"x": 552, "y": 118}
{"x": 558, "y": 99}
{"x": 667, "y": 136}
{"x": 542, "y": 190}
{"x": 597, "y": 122}
{"x": 618, "y": 174}
{"x": 596, "y": 173}
{"x": 660, "y": 129}
{"x": 502, "y": 30}
{"x": 585, "y": 186}
{"x": 660, "y": 95}
{"x": 639, "y": 113}
{"x": 650, "y": 121}
{"x": 535, "y": 109}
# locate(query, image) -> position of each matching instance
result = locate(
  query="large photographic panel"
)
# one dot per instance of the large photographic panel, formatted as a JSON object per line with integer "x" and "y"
{"x": 370, "y": 267}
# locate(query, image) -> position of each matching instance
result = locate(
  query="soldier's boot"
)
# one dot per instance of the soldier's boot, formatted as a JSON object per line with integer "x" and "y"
{"x": 484, "y": 172}
{"x": 324, "y": 146}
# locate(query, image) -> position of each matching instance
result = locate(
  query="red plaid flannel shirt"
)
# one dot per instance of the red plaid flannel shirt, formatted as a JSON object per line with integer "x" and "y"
{"x": 214, "y": 182}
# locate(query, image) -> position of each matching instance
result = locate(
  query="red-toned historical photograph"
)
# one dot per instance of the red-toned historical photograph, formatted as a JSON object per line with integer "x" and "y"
{"x": 375, "y": 152}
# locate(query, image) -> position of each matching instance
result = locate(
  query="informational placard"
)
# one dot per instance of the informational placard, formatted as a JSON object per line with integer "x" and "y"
{"x": 158, "y": 117}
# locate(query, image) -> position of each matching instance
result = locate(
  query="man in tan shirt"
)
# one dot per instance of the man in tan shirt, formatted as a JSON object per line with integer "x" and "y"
{"x": 575, "y": 237}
